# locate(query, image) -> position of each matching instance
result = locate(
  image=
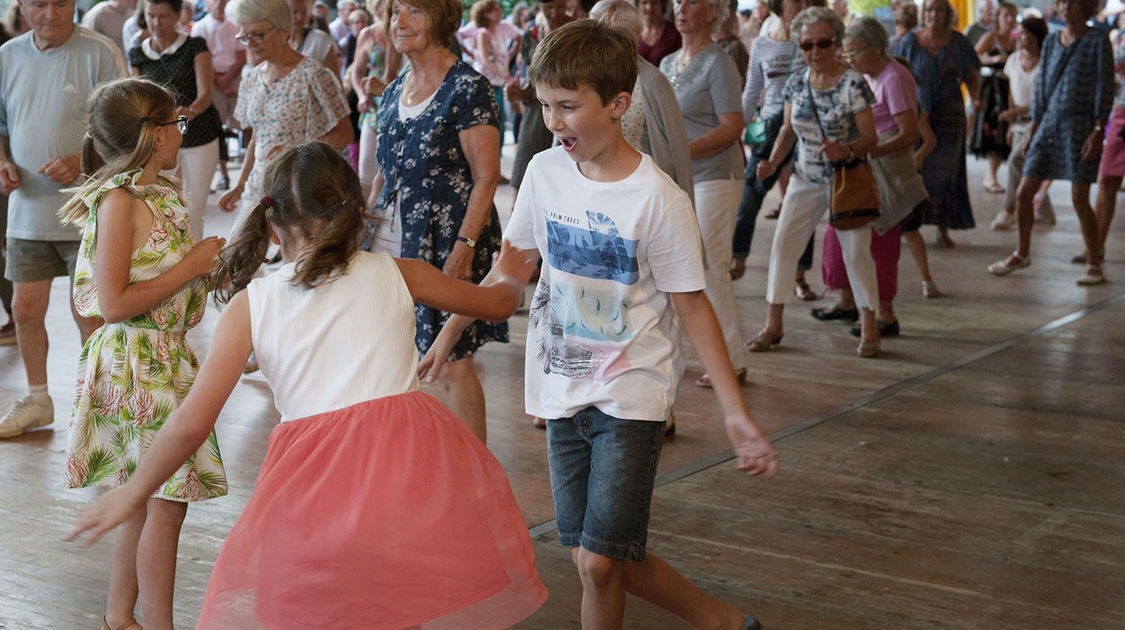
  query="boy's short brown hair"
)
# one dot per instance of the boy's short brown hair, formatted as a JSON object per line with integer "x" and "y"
{"x": 590, "y": 53}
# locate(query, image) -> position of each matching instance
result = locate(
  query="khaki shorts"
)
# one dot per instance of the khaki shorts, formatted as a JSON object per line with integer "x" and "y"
{"x": 35, "y": 261}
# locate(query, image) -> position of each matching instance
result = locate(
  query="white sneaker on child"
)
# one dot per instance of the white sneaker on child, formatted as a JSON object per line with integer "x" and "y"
{"x": 26, "y": 414}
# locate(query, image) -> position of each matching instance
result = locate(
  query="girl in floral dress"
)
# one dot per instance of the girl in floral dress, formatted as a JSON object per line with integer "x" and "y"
{"x": 375, "y": 507}
{"x": 140, "y": 269}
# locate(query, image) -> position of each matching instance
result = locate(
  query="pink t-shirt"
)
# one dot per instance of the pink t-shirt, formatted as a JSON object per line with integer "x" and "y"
{"x": 895, "y": 93}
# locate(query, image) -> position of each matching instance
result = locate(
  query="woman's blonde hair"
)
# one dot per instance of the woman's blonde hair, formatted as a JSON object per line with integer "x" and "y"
{"x": 309, "y": 189}
{"x": 120, "y": 136}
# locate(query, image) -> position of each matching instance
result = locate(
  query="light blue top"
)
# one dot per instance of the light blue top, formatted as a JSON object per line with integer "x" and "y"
{"x": 43, "y": 114}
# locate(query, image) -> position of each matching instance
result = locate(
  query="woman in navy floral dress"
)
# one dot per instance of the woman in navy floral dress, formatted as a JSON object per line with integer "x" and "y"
{"x": 439, "y": 163}
{"x": 1073, "y": 99}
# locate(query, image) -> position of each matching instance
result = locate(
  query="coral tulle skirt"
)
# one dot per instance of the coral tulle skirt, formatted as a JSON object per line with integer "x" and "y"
{"x": 383, "y": 515}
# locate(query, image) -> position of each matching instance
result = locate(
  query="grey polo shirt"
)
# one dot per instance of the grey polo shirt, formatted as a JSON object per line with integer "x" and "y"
{"x": 43, "y": 97}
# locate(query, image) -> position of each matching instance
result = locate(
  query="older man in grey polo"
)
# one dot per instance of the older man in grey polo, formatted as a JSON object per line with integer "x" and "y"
{"x": 46, "y": 75}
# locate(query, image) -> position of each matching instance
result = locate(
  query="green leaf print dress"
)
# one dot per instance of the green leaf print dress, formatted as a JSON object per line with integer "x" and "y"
{"x": 133, "y": 374}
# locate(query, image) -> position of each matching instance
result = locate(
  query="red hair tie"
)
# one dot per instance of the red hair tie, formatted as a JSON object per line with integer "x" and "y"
{"x": 266, "y": 201}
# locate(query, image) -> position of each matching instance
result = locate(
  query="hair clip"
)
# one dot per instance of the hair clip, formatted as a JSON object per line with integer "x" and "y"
{"x": 266, "y": 201}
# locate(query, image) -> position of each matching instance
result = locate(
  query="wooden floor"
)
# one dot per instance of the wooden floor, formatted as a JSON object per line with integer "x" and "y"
{"x": 972, "y": 477}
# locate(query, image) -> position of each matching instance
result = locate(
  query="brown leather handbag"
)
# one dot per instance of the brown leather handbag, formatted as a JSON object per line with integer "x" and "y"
{"x": 855, "y": 196}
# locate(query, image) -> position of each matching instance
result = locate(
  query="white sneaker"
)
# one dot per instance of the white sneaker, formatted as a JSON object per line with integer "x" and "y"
{"x": 1004, "y": 221}
{"x": 24, "y": 415}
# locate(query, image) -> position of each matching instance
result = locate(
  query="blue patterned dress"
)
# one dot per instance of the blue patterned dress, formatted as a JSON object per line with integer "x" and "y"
{"x": 424, "y": 165}
{"x": 939, "y": 80}
{"x": 1066, "y": 112}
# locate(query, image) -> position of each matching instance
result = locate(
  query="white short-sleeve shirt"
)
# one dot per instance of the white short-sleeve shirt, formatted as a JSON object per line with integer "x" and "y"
{"x": 601, "y": 330}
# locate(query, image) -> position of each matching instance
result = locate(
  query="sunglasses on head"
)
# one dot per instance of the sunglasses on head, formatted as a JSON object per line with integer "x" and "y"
{"x": 822, "y": 44}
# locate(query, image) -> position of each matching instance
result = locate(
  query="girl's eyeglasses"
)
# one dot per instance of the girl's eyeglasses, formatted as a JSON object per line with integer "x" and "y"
{"x": 822, "y": 44}
{"x": 181, "y": 123}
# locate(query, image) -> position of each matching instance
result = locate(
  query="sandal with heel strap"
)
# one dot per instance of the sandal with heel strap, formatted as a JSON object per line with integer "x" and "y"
{"x": 128, "y": 624}
{"x": 1009, "y": 264}
{"x": 763, "y": 341}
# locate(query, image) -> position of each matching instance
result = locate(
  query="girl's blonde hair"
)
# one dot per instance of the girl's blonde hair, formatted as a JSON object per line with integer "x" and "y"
{"x": 120, "y": 136}
{"x": 309, "y": 189}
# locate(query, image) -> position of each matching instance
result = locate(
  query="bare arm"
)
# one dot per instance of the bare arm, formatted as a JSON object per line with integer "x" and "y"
{"x": 905, "y": 139}
{"x": 786, "y": 138}
{"x": 481, "y": 146}
{"x": 494, "y": 300}
{"x": 339, "y": 136}
{"x": 755, "y": 453}
{"x": 868, "y": 139}
{"x": 718, "y": 138}
{"x": 429, "y": 368}
{"x": 229, "y": 201}
{"x": 183, "y": 432}
{"x": 204, "y": 79}
{"x": 122, "y": 221}
{"x": 9, "y": 176}
{"x": 929, "y": 140}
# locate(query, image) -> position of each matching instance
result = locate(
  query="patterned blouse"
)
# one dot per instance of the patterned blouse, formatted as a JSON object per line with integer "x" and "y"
{"x": 836, "y": 107}
{"x": 299, "y": 107}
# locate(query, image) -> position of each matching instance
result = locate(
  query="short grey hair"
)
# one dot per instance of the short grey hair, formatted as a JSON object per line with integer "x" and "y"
{"x": 722, "y": 12}
{"x": 276, "y": 12}
{"x": 620, "y": 13}
{"x": 340, "y": 4}
{"x": 868, "y": 30}
{"x": 817, "y": 15}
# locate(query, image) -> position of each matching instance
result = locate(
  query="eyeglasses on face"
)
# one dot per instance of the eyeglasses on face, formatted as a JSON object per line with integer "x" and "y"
{"x": 822, "y": 44}
{"x": 181, "y": 123}
{"x": 253, "y": 37}
{"x": 849, "y": 56}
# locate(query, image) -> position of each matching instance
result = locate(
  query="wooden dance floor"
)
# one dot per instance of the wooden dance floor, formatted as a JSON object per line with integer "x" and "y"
{"x": 972, "y": 477}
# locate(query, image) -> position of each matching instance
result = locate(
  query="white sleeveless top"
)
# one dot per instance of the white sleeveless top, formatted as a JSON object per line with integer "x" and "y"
{"x": 344, "y": 342}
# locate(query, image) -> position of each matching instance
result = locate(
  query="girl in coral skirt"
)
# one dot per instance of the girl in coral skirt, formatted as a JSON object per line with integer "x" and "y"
{"x": 375, "y": 507}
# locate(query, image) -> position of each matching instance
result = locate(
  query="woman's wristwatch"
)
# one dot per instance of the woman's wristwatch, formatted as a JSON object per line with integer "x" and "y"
{"x": 472, "y": 243}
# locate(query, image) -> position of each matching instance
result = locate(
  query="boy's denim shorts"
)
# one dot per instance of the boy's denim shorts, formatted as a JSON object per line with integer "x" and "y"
{"x": 602, "y": 474}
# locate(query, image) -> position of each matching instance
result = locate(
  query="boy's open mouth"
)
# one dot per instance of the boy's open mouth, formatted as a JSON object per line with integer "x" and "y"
{"x": 568, "y": 143}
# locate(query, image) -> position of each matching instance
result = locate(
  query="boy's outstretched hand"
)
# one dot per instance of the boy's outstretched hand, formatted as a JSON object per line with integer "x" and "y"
{"x": 752, "y": 448}
{"x": 103, "y": 514}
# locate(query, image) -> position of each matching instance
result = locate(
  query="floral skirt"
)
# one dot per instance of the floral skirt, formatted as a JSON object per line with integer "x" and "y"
{"x": 129, "y": 381}
{"x": 383, "y": 515}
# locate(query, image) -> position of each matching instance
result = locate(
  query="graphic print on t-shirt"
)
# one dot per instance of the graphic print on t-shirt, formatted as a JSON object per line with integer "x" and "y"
{"x": 582, "y": 313}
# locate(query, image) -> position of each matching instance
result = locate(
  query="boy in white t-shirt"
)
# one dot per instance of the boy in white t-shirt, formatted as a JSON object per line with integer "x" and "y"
{"x": 620, "y": 247}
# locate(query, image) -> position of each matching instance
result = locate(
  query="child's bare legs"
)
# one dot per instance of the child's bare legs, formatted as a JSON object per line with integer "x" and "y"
{"x": 465, "y": 395}
{"x": 606, "y": 580}
{"x": 156, "y": 561}
{"x": 123, "y": 576}
{"x": 991, "y": 183}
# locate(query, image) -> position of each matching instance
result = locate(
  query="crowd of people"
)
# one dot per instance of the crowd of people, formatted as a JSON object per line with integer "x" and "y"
{"x": 647, "y": 137}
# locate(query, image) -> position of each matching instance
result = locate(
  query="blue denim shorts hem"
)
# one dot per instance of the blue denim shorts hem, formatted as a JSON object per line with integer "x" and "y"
{"x": 603, "y": 470}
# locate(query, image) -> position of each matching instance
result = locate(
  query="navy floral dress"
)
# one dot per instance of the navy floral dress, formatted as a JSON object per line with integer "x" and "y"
{"x": 424, "y": 165}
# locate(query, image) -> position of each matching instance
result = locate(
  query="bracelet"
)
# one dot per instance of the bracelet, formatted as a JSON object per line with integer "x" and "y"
{"x": 472, "y": 243}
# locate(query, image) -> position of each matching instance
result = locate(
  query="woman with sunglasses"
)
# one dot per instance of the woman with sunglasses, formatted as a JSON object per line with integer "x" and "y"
{"x": 828, "y": 116}
{"x": 285, "y": 97}
{"x": 942, "y": 60}
{"x": 902, "y": 194}
{"x": 182, "y": 64}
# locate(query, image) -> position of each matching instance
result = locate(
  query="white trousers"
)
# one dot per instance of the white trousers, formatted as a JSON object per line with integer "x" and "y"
{"x": 804, "y": 206}
{"x": 716, "y": 209}
{"x": 197, "y": 169}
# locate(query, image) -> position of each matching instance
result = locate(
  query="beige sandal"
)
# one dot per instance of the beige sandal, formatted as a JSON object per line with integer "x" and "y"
{"x": 129, "y": 624}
